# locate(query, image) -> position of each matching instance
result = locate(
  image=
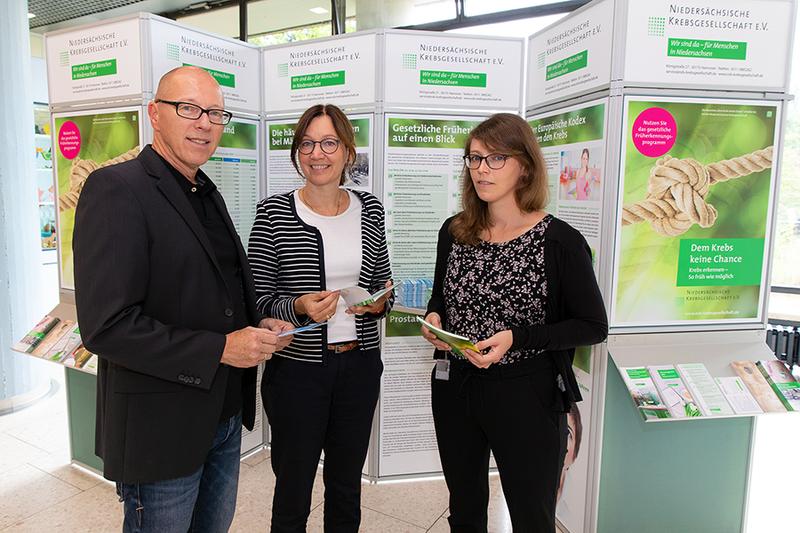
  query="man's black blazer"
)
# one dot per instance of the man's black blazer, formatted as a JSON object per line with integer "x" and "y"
{"x": 152, "y": 304}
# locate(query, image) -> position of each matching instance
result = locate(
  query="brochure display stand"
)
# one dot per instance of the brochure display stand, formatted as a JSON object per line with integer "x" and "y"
{"x": 101, "y": 77}
{"x": 388, "y": 81}
{"x": 661, "y": 124}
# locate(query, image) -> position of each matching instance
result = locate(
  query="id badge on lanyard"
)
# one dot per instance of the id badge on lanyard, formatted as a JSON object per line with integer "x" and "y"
{"x": 442, "y": 371}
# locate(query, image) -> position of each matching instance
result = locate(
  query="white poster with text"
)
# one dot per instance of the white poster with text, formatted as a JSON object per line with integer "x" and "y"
{"x": 737, "y": 44}
{"x": 341, "y": 71}
{"x": 422, "y": 183}
{"x": 95, "y": 63}
{"x": 572, "y": 57}
{"x": 424, "y": 70}
{"x": 233, "y": 64}
{"x": 281, "y": 174}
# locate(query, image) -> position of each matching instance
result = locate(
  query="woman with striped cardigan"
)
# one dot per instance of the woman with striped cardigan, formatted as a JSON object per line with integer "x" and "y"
{"x": 320, "y": 393}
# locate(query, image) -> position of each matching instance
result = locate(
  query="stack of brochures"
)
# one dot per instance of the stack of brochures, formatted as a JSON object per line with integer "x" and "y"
{"x": 688, "y": 390}
{"x": 57, "y": 340}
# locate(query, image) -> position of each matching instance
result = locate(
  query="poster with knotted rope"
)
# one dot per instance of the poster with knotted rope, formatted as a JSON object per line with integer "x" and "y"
{"x": 83, "y": 143}
{"x": 695, "y": 201}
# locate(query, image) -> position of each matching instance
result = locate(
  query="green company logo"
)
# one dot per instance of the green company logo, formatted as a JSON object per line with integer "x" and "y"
{"x": 410, "y": 61}
{"x": 283, "y": 70}
{"x": 173, "y": 52}
{"x": 225, "y": 79}
{"x": 63, "y": 59}
{"x": 457, "y": 79}
{"x": 322, "y": 79}
{"x": 706, "y": 49}
{"x": 94, "y": 69}
{"x": 655, "y": 26}
{"x": 567, "y": 65}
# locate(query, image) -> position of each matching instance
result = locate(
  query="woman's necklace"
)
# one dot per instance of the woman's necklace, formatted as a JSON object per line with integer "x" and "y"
{"x": 338, "y": 202}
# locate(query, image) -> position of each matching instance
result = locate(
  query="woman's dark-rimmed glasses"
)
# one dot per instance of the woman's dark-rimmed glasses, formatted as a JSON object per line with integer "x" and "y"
{"x": 493, "y": 161}
{"x": 328, "y": 146}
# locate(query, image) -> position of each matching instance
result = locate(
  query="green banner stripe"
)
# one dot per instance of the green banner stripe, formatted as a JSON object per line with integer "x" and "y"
{"x": 281, "y": 135}
{"x": 322, "y": 79}
{"x": 707, "y": 49}
{"x": 456, "y": 79}
{"x": 94, "y": 69}
{"x": 581, "y": 125}
{"x": 567, "y": 65}
{"x": 729, "y": 262}
{"x": 429, "y": 133}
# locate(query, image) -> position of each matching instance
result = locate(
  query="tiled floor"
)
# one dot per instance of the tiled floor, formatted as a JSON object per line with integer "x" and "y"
{"x": 41, "y": 492}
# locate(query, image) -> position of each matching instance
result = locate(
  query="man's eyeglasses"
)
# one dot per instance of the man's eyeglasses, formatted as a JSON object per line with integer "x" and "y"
{"x": 193, "y": 112}
{"x": 328, "y": 146}
{"x": 493, "y": 161}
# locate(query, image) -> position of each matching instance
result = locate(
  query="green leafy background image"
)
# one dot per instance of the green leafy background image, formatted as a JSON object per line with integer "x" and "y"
{"x": 647, "y": 291}
{"x": 240, "y": 135}
{"x": 104, "y": 136}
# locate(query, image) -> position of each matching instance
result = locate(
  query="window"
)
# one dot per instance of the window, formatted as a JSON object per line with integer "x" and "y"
{"x": 483, "y": 7}
{"x": 784, "y": 301}
{"x": 303, "y": 33}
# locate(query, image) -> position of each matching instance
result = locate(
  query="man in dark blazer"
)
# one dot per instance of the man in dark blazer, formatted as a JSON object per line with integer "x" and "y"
{"x": 165, "y": 299}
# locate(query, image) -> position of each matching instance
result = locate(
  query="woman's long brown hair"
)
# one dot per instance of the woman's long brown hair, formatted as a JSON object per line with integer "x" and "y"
{"x": 507, "y": 134}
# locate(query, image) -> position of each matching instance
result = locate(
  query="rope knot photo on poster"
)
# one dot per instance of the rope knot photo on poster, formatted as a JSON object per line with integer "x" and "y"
{"x": 677, "y": 190}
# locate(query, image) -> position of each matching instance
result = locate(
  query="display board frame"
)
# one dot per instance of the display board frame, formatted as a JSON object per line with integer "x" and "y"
{"x": 456, "y": 46}
{"x": 317, "y": 47}
{"x": 757, "y": 322}
{"x": 623, "y": 52}
{"x": 144, "y": 72}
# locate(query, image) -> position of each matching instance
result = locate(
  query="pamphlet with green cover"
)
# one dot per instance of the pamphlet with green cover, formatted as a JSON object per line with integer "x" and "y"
{"x": 456, "y": 342}
{"x": 782, "y": 382}
{"x": 694, "y": 209}
{"x": 673, "y": 392}
{"x": 644, "y": 393}
{"x": 758, "y": 386}
{"x": 356, "y": 296}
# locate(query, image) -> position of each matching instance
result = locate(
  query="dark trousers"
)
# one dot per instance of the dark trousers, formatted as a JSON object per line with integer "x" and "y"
{"x": 511, "y": 413}
{"x": 313, "y": 407}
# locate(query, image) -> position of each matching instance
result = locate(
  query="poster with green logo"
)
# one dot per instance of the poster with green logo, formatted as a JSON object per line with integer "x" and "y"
{"x": 83, "y": 143}
{"x": 421, "y": 188}
{"x": 695, "y": 201}
{"x": 282, "y": 176}
{"x": 234, "y": 169}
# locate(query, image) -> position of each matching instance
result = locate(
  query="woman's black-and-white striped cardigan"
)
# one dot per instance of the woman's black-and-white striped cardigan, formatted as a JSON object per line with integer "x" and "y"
{"x": 287, "y": 259}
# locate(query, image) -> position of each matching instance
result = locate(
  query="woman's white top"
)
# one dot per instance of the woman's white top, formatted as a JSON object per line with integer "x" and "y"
{"x": 341, "y": 247}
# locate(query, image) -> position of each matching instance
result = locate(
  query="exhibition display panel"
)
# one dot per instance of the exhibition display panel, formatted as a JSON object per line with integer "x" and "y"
{"x": 101, "y": 77}
{"x": 661, "y": 127}
{"x": 677, "y": 194}
{"x": 389, "y": 82}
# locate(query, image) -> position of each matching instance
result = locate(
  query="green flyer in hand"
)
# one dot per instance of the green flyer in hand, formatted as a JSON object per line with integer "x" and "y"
{"x": 456, "y": 342}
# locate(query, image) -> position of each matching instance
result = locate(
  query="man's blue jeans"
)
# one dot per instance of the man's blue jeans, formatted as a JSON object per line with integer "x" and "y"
{"x": 202, "y": 502}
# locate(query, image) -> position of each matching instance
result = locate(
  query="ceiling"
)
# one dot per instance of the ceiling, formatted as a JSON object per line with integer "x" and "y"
{"x": 56, "y": 14}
